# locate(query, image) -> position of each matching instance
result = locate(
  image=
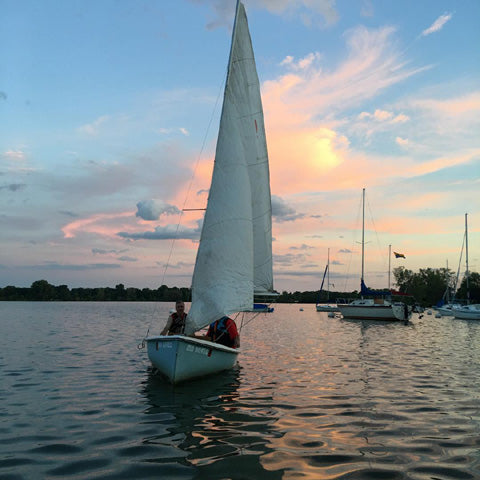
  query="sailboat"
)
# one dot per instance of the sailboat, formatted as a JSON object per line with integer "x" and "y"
{"x": 378, "y": 308}
{"x": 326, "y": 307}
{"x": 234, "y": 257}
{"x": 469, "y": 311}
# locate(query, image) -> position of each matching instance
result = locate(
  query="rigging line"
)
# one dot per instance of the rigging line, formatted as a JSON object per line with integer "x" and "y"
{"x": 194, "y": 172}
{"x": 354, "y": 233}
{"x": 167, "y": 264}
{"x": 459, "y": 266}
{"x": 246, "y": 322}
{"x": 376, "y": 235}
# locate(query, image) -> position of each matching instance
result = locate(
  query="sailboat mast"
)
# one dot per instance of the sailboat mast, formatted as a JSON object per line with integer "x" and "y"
{"x": 466, "y": 257}
{"x": 389, "y": 263}
{"x": 363, "y": 233}
{"x": 328, "y": 274}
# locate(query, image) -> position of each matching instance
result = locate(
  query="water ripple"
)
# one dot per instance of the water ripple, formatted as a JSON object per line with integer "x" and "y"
{"x": 313, "y": 398}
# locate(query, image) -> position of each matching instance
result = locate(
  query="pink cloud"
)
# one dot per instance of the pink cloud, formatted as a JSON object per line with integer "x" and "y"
{"x": 96, "y": 224}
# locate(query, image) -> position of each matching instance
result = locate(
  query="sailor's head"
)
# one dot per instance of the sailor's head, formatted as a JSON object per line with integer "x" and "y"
{"x": 180, "y": 306}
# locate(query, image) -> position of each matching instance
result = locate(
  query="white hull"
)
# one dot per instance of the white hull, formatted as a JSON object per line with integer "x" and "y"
{"x": 182, "y": 358}
{"x": 327, "y": 308}
{"x": 358, "y": 311}
{"x": 448, "y": 310}
{"x": 469, "y": 312}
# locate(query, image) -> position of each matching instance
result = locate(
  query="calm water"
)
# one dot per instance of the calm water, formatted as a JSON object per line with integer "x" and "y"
{"x": 313, "y": 398}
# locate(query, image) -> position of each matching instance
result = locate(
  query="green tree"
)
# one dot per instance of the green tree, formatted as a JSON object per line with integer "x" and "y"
{"x": 42, "y": 290}
{"x": 474, "y": 288}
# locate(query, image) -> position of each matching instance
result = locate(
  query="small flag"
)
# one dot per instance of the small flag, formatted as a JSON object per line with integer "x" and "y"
{"x": 399, "y": 255}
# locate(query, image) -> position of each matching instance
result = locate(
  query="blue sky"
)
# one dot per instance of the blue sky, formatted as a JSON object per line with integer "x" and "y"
{"x": 109, "y": 114}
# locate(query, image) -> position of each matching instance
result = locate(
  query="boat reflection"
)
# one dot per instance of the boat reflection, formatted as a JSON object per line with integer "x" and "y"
{"x": 211, "y": 425}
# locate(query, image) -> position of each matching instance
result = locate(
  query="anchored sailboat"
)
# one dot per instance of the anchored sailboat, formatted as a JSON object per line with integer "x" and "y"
{"x": 326, "y": 307}
{"x": 469, "y": 311}
{"x": 377, "y": 308}
{"x": 234, "y": 258}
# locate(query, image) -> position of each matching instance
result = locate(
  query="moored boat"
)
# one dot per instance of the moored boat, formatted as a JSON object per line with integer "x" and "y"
{"x": 378, "y": 308}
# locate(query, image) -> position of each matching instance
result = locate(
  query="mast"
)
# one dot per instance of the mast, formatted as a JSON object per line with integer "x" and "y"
{"x": 328, "y": 274}
{"x": 389, "y": 263}
{"x": 363, "y": 233}
{"x": 466, "y": 258}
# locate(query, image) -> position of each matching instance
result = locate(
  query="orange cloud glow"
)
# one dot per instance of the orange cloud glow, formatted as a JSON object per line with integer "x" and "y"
{"x": 94, "y": 224}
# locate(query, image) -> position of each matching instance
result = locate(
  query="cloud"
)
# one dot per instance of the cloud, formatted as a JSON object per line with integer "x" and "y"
{"x": 168, "y": 131}
{"x": 282, "y": 212}
{"x": 68, "y": 213}
{"x": 14, "y": 155}
{"x": 438, "y": 24}
{"x": 73, "y": 267}
{"x": 402, "y": 142}
{"x": 384, "y": 116}
{"x": 3, "y": 96}
{"x": 93, "y": 129}
{"x": 453, "y": 122}
{"x": 177, "y": 266}
{"x": 310, "y": 12}
{"x": 152, "y": 209}
{"x": 168, "y": 232}
{"x": 128, "y": 259}
{"x": 289, "y": 259}
{"x": 100, "y": 251}
{"x": 92, "y": 224}
{"x": 303, "y": 64}
{"x": 302, "y": 247}
{"x": 367, "y": 9}
{"x": 345, "y": 250}
{"x": 13, "y": 187}
{"x": 309, "y": 112}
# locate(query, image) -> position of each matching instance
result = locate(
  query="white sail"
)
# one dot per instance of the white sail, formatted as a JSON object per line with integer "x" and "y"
{"x": 234, "y": 255}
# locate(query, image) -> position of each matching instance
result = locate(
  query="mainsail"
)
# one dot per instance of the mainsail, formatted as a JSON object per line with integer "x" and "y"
{"x": 234, "y": 257}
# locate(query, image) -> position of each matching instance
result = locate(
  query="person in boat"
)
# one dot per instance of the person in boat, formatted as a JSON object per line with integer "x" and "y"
{"x": 176, "y": 321}
{"x": 224, "y": 331}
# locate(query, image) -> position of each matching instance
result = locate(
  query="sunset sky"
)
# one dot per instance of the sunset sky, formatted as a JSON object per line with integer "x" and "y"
{"x": 109, "y": 114}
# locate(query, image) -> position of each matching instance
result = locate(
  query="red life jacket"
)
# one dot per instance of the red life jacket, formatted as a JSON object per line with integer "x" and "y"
{"x": 219, "y": 332}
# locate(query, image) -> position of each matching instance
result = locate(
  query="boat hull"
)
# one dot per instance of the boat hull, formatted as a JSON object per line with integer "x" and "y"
{"x": 470, "y": 312}
{"x": 262, "y": 307}
{"x": 448, "y": 311}
{"x": 181, "y": 358}
{"x": 327, "y": 308}
{"x": 375, "y": 312}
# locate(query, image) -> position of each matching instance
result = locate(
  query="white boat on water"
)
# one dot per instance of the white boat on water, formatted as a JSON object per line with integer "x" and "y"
{"x": 181, "y": 358}
{"x": 468, "y": 312}
{"x": 234, "y": 257}
{"x": 448, "y": 310}
{"x": 327, "y": 307}
{"x": 377, "y": 308}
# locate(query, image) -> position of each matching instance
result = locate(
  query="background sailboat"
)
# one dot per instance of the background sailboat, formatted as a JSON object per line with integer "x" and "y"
{"x": 234, "y": 258}
{"x": 378, "y": 308}
{"x": 326, "y": 307}
{"x": 467, "y": 312}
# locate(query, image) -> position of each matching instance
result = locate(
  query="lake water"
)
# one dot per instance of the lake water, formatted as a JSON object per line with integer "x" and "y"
{"x": 312, "y": 398}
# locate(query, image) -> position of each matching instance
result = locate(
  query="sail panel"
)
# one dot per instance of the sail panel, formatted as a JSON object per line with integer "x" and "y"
{"x": 223, "y": 276}
{"x": 257, "y": 160}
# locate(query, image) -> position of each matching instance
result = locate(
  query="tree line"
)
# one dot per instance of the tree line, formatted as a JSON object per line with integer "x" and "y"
{"x": 425, "y": 287}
